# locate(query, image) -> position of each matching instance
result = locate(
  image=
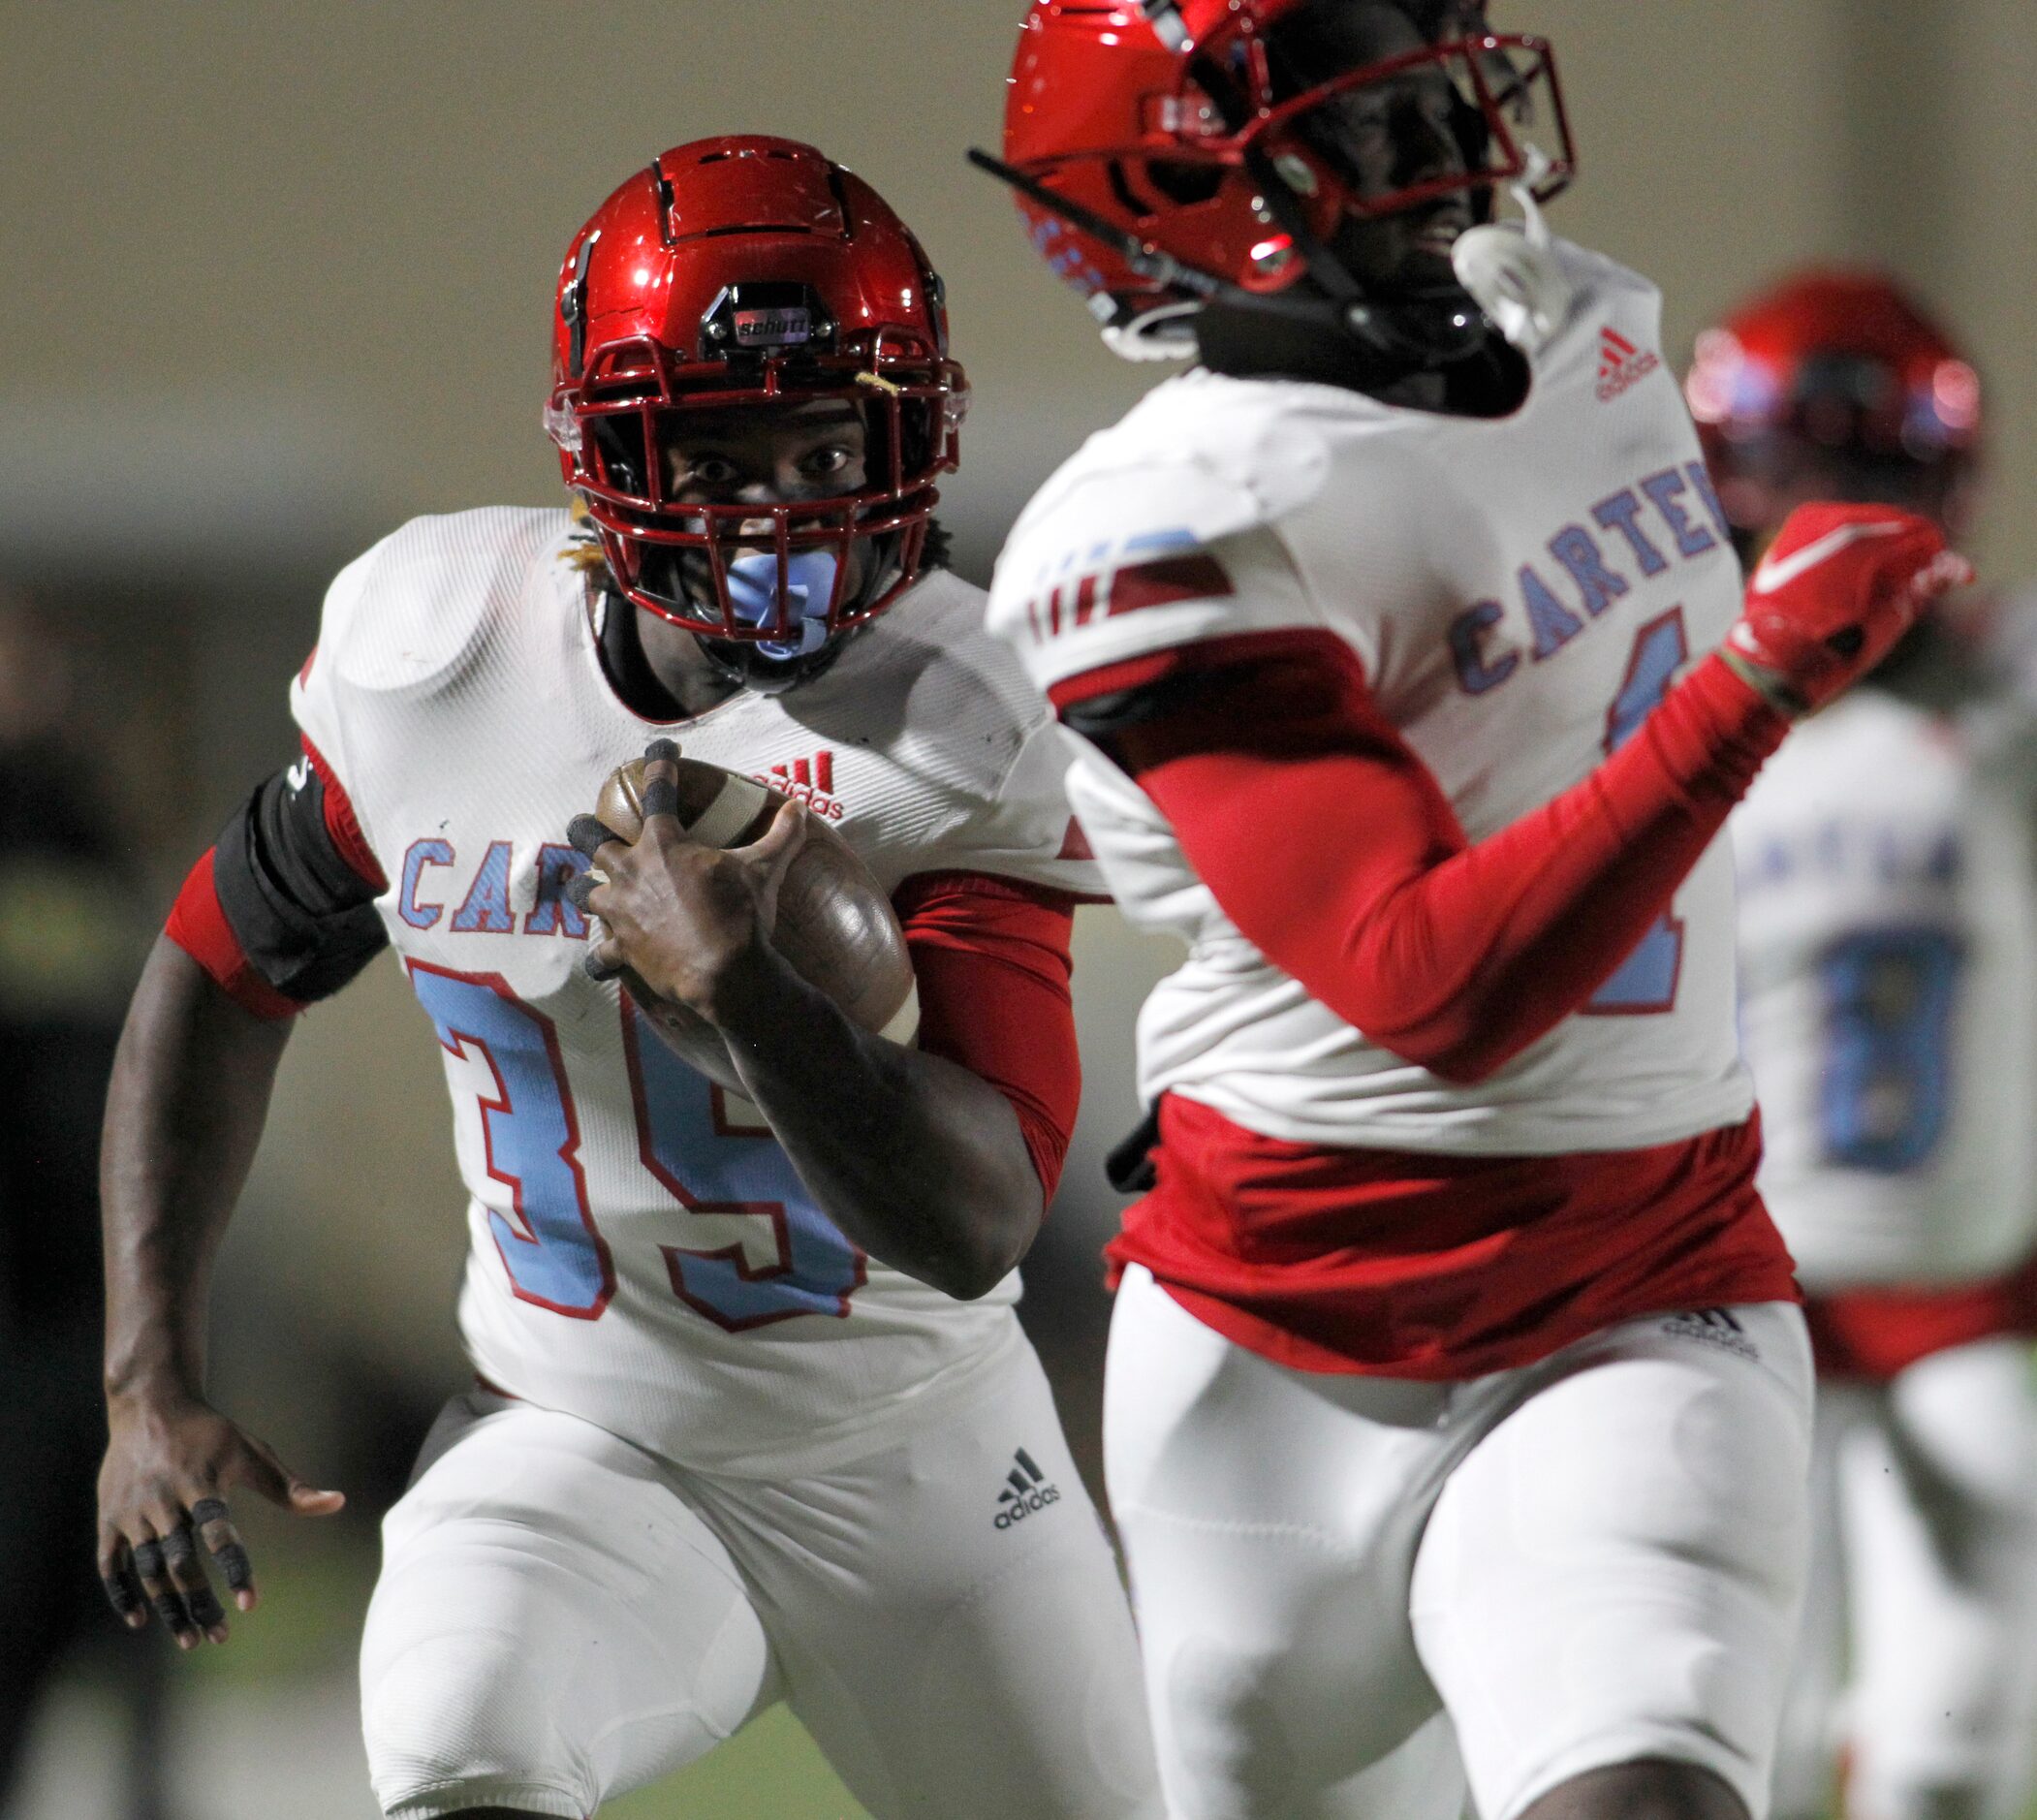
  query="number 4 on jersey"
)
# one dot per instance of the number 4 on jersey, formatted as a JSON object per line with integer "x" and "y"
{"x": 1646, "y": 979}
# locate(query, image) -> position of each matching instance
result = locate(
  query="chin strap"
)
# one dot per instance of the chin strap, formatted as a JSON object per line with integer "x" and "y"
{"x": 1145, "y": 258}
{"x": 748, "y": 667}
{"x": 1279, "y": 200}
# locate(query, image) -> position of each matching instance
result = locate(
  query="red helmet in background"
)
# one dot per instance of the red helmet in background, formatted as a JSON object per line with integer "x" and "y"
{"x": 750, "y": 271}
{"x": 1838, "y": 382}
{"x": 1191, "y": 127}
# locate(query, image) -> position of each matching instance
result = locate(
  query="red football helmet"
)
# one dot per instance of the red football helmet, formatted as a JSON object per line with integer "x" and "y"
{"x": 1193, "y": 127}
{"x": 750, "y": 271}
{"x": 1837, "y": 382}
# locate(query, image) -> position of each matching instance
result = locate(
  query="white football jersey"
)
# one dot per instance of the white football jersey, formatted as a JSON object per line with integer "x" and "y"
{"x": 642, "y": 1253}
{"x": 1520, "y": 592}
{"x": 1887, "y": 961}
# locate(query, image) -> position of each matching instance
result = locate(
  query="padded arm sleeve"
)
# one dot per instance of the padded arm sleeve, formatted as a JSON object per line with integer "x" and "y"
{"x": 991, "y": 956}
{"x": 1332, "y": 846}
{"x": 281, "y": 911}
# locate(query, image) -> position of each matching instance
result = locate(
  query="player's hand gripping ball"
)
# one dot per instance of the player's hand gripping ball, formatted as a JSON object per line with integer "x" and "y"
{"x": 1839, "y": 585}
{"x": 693, "y": 866}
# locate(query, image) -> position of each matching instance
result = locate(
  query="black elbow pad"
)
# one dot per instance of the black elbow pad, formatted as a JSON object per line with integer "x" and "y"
{"x": 1104, "y": 720}
{"x": 1102, "y": 716}
{"x": 306, "y": 920}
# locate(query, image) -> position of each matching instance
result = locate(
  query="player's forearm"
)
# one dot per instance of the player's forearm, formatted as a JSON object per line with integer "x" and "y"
{"x": 917, "y": 1160}
{"x": 184, "y": 1114}
{"x": 1455, "y": 957}
{"x": 1535, "y": 918}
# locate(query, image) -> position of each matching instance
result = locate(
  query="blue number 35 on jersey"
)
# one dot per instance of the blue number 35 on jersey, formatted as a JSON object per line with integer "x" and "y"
{"x": 788, "y": 1260}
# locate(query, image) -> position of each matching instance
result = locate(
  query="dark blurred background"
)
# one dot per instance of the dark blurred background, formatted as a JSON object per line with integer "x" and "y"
{"x": 279, "y": 278}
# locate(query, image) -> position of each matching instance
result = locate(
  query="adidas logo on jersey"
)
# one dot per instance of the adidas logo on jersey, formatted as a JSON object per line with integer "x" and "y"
{"x": 1715, "y": 1326}
{"x": 809, "y": 780}
{"x": 1621, "y": 365}
{"x": 1025, "y": 1491}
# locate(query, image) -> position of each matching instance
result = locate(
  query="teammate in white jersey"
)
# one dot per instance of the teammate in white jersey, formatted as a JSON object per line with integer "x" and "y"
{"x": 754, "y": 1419}
{"x": 1456, "y": 1382}
{"x": 1888, "y": 1012}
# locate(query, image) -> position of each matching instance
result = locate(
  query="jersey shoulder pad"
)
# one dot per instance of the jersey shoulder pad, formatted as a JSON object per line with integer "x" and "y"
{"x": 1611, "y": 293}
{"x": 929, "y": 679}
{"x": 968, "y": 661}
{"x": 1201, "y": 459}
{"x": 953, "y": 708}
{"x": 405, "y": 616}
{"x": 1588, "y": 269}
{"x": 1150, "y": 540}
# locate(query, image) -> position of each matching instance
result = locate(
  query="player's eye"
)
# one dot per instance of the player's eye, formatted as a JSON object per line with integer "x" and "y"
{"x": 709, "y": 470}
{"x": 831, "y": 459}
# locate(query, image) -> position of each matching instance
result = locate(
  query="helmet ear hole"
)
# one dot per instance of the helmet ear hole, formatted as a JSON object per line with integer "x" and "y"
{"x": 1138, "y": 208}
{"x": 1183, "y": 183}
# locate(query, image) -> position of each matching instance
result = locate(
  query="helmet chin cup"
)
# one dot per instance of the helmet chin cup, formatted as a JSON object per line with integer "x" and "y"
{"x": 751, "y": 667}
{"x": 1421, "y": 334}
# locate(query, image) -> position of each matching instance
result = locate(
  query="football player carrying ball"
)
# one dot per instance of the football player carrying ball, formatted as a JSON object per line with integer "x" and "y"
{"x": 752, "y": 1417}
{"x": 1459, "y": 1399}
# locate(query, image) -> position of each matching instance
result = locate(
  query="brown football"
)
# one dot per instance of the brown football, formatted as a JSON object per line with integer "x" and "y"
{"x": 835, "y": 925}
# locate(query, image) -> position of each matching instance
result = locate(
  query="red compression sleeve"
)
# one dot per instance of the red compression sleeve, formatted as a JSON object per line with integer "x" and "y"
{"x": 991, "y": 956}
{"x": 200, "y": 927}
{"x": 1333, "y": 849}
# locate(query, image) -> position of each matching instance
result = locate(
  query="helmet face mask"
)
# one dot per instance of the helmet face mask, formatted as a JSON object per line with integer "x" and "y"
{"x": 1253, "y": 146}
{"x": 740, "y": 276}
{"x": 671, "y": 551}
{"x": 1485, "y": 94}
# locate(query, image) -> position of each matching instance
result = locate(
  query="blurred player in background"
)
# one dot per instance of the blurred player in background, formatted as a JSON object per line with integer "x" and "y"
{"x": 726, "y": 1447}
{"x": 1888, "y": 1012}
{"x": 1457, "y": 1368}
{"x": 72, "y": 937}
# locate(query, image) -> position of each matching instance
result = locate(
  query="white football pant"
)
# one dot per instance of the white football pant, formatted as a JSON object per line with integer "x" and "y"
{"x": 1588, "y": 1561}
{"x": 562, "y": 1617}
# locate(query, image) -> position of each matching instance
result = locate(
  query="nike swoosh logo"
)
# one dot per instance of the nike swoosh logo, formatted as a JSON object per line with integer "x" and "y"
{"x": 1773, "y": 575}
{"x": 298, "y": 775}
